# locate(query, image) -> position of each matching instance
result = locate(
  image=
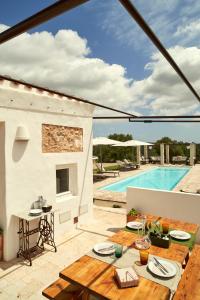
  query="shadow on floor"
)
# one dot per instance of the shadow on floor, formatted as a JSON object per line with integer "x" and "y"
{"x": 115, "y": 229}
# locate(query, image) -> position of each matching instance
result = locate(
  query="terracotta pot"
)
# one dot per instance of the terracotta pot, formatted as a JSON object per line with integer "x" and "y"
{"x": 131, "y": 218}
{"x": 1, "y": 246}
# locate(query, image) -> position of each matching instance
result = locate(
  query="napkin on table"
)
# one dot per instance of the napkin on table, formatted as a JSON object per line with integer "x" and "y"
{"x": 127, "y": 277}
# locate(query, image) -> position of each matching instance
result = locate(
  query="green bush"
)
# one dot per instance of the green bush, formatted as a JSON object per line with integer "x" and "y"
{"x": 133, "y": 212}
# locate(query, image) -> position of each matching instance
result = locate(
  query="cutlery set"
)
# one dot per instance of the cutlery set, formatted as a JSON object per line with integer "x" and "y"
{"x": 160, "y": 266}
{"x": 106, "y": 249}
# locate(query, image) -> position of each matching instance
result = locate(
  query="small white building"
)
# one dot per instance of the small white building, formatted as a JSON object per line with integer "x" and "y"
{"x": 45, "y": 149}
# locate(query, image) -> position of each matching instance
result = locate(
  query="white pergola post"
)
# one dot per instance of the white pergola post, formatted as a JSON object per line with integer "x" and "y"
{"x": 138, "y": 154}
{"x": 145, "y": 151}
{"x": 192, "y": 153}
{"x": 162, "y": 154}
{"x": 167, "y": 154}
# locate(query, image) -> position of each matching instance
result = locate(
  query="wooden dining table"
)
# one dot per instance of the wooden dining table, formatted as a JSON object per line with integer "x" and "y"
{"x": 97, "y": 277}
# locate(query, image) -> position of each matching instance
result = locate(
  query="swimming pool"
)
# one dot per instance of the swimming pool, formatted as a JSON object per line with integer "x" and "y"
{"x": 164, "y": 178}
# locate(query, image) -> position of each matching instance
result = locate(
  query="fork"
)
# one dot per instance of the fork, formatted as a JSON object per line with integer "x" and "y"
{"x": 159, "y": 267}
{"x": 157, "y": 261}
{"x": 106, "y": 249}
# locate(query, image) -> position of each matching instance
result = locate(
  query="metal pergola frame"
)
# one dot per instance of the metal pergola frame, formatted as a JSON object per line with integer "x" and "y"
{"x": 62, "y": 6}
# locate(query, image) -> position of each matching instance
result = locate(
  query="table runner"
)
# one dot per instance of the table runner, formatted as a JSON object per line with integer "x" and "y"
{"x": 189, "y": 243}
{"x": 130, "y": 256}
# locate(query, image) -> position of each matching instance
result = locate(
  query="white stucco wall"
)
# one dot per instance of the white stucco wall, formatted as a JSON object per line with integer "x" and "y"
{"x": 29, "y": 172}
{"x": 175, "y": 205}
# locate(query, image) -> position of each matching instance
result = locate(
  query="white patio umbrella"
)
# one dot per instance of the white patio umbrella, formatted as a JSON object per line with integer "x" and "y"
{"x": 133, "y": 143}
{"x": 103, "y": 141}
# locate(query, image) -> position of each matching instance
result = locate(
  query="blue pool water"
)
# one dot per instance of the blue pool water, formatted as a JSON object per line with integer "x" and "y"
{"x": 164, "y": 178}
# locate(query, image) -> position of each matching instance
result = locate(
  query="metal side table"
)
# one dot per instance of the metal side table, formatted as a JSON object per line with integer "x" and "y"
{"x": 44, "y": 228}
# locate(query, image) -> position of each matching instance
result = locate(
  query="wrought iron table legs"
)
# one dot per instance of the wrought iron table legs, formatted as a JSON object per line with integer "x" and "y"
{"x": 46, "y": 236}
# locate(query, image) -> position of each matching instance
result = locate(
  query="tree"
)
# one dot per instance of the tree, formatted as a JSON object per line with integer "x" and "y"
{"x": 120, "y": 137}
{"x": 111, "y": 154}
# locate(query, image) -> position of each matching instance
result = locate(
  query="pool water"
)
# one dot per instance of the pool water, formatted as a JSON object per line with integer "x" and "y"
{"x": 164, "y": 178}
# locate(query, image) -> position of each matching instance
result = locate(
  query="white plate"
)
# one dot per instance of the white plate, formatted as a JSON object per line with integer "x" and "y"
{"x": 98, "y": 248}
{"x": 180, "y": 235}
{"x": 169, "y": 267}
{"x": 35, "y": 212}
{"x": 134, "y": 225}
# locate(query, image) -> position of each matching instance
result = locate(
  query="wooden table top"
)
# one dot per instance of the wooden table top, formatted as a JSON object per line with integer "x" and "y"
{"x": 176, "y": 224}
{"x": 175, "y": 251}
{"x": 189, "y": 286}
{"x": 98, "y": 278}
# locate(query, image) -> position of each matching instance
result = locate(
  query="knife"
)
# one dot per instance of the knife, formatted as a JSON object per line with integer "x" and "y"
{"x": 164, "y": 269}
{"x": 159, "y": 268}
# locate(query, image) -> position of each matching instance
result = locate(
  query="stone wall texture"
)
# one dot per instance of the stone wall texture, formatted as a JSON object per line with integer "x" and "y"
{"x": 57, "y": 139}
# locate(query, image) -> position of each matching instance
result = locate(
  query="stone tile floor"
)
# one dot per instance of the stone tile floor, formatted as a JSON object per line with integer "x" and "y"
{"x": 19, "y": 281}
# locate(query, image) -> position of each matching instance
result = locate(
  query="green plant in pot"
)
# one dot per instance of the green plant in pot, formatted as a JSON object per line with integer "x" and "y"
{"x": 132, "y": 215}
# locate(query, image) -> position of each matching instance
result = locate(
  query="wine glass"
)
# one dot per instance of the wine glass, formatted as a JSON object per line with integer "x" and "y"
{"x": 142, "y": 220}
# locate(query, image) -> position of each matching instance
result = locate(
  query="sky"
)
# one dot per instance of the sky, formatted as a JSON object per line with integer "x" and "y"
{"x": 98, "y": 52}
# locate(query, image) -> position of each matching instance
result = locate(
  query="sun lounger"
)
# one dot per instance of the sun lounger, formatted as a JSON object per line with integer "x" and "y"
{"x": 129, "y": 163}
{"x": 155, "y": 159}
{"x": 102, "y": 170}
{"x": 99, "y": 176}
{"x": 179, "y": 159}
{"x": 144, "y": 160}
{"x": 125, "y": 167}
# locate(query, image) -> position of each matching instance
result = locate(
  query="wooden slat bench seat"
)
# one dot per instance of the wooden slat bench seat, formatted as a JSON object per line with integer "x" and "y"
{"x": 63, "y": 290}
{"x": 189, "y": 285}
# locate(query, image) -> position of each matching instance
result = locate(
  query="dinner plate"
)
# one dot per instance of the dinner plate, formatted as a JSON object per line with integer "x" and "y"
{"x": 35, "y": 212}
{"x": 180, "y": 235}
{"x": 134, "y": 225}
{"x": 152, "y": 266}
{"x": 104, "y": 248}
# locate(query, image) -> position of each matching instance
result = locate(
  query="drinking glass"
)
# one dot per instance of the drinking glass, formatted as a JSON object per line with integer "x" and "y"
{"x": 144, "y": 256}
{"x": 165, "y": 227}
{"x": 118, "y": 251}
{"x": 143, "y": 220}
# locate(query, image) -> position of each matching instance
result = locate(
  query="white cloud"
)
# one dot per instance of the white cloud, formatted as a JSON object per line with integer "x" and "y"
{"x": 168, "y": 19}
{"x": 189, "y": 33}
{"x": 61, "y": 62}
{"x": 163, "y": 92}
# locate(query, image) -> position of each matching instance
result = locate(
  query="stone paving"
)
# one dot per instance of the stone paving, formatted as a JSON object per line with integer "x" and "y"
{"x": 19, "y": 281}
{"x": 191, "y": 182}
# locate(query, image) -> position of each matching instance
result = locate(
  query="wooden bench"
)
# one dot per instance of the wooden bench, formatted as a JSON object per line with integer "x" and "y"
{"x": 63, "y": 290}
{"x": 189, "y": 285}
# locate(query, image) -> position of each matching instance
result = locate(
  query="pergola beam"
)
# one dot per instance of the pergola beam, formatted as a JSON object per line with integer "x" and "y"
{"x": 163, "y": 121}
{"x": 149, "y": 32}
{"x": 70, "y": 97}
{"x": 42, "y": 16}
{"x": 147, "y": 117}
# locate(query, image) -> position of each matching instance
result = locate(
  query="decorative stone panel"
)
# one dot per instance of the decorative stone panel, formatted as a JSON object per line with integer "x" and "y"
{"x": 57, "y": 138}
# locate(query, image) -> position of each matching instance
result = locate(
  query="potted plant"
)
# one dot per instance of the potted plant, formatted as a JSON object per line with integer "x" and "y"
{"x": 1, "y": 244}
{"x": 132, "y": 215}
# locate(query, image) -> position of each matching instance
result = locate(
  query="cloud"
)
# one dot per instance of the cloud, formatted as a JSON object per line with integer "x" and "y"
{"x": 62, "y": 62}
{"x": 189, "y": 33}
{"x": 168, "y": 19}
{"x": 163, "y": 92}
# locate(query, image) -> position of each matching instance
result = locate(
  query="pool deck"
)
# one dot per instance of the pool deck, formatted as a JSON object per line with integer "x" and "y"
{"x": 190, "y": 183}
